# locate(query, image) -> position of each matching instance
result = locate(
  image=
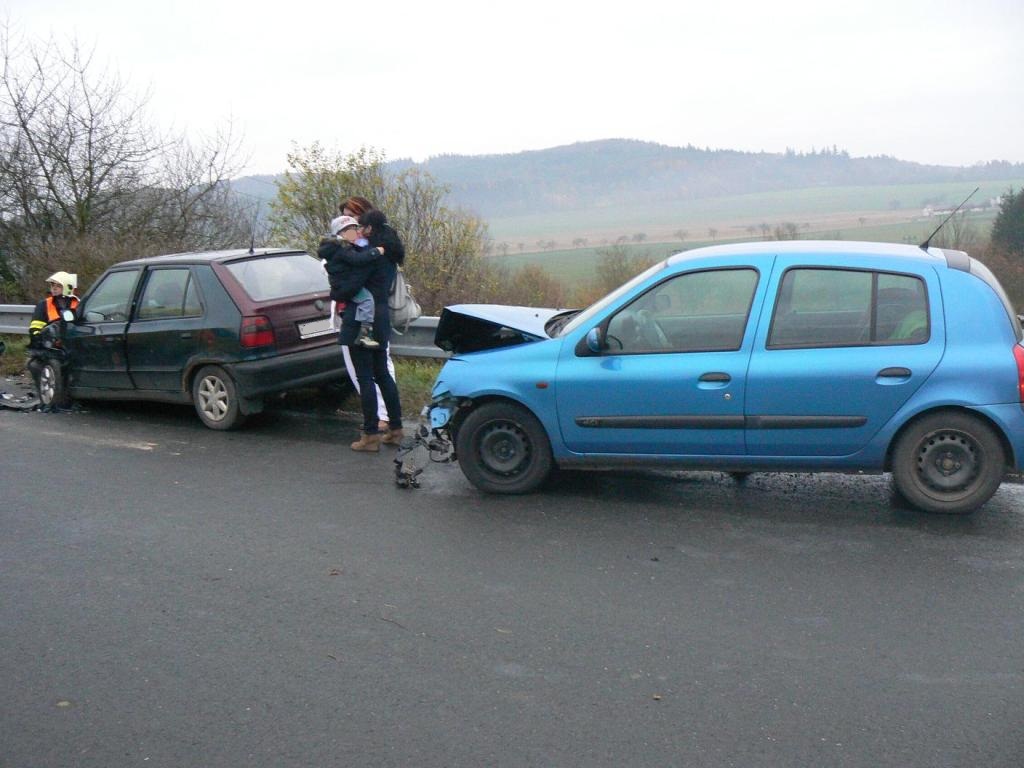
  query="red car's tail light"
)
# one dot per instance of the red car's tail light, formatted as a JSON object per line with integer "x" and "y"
{"x": 257, "y": 331}
{"x": 1018, "y": 354}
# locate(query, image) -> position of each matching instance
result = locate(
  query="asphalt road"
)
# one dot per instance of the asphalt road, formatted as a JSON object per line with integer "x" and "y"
{"x": 174, "y": 596}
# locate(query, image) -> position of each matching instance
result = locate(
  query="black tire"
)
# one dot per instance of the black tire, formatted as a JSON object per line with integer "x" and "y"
{"x": 502, "y": 448}
{"x": 52, "y": 390}
{"x": 216, "y": 399}
{"x": 950, "y": 463}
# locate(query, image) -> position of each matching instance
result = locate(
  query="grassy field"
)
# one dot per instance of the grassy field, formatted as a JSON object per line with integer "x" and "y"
{"x": 570, "y": 265}
{"x": 822, "y": 209}
{"x": 12, "y": 362}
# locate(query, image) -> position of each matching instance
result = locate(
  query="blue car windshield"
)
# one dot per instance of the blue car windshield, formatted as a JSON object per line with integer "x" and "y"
{"x": 598, "y": 306}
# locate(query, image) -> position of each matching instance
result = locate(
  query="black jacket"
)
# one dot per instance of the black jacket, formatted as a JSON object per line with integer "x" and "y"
{"x": 385, "y": 236}
{"x": 340, "y": 256}
{"x": 376, "y": 276}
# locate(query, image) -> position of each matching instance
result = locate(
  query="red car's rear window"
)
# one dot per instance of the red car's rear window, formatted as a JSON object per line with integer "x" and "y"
{"x": 266, "y": 278}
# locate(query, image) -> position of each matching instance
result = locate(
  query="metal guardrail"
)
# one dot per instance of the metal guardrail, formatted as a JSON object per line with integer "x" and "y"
{"x": 14, "y": 318}
{"x": 417, "y": 341}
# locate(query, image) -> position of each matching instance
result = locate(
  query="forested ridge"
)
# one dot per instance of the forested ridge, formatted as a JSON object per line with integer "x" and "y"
{"x": 605, "y": 173}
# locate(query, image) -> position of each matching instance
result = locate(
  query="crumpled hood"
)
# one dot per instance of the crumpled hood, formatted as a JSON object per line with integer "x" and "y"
{"x": 476, "y": 327}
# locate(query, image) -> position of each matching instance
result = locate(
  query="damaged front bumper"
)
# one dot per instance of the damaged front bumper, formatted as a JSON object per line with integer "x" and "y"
{"x": 439, "y": 415}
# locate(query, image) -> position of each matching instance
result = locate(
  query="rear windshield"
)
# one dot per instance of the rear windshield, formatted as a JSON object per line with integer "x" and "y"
{"x": 274, "y": 277}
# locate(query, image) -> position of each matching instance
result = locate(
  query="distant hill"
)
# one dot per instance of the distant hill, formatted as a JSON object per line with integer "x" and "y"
{"x": 616, "y": 171}
{"x": 624, "y": 177}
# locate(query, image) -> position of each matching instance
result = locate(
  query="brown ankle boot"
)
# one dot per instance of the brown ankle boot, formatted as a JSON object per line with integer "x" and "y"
{"x": 393, "y": 437}
{"x": 368, "y": 443}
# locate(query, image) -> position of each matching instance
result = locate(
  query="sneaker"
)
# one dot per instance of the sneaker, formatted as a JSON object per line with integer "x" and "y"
{"x": 365, "y": 338}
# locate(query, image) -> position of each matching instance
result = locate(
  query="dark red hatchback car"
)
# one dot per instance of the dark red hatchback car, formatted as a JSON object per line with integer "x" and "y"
{"x": 221, "y": 330}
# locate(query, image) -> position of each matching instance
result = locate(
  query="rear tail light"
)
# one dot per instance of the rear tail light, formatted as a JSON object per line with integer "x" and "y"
{"x": 257, "y": 331}
{"x": 1018, "y": 354}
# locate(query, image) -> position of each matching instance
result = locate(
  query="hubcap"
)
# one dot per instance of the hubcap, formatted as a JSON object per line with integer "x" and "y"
{"x": 504, "y": 449}
{"x": 949, "y": 461}
{"x": 213, "y": 398}
{"x": 47, "y": 385}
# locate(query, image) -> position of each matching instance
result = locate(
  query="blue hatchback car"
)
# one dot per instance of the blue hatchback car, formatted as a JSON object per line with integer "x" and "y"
{"x": 774, "y": 356}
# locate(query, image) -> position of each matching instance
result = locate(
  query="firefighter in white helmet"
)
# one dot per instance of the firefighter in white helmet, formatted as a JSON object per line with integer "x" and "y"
{"x": 62, "y": 298}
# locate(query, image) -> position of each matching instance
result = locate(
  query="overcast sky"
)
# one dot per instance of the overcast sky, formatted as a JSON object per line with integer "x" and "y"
{"x": 934, "y": 82}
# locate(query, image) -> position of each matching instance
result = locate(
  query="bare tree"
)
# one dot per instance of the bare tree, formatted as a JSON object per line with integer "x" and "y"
{"x": 315, "y": 182}
{"x": 530, "y": 286}
{"x": 786, "y": 230}
{"x": 682, "y": 234}
{"x": 614, "y": 266}
{"x": 712, "y": 233}
{"x": 958, "y": 233}
{"x": 444, "y": 246}
{"x": 82, "y": 169}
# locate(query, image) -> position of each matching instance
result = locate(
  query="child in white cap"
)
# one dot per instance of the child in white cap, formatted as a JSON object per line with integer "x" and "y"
{"x": 343, "y": 250}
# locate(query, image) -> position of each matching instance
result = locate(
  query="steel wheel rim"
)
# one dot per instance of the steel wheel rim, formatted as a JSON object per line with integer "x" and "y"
{"x": 47, "y": 385}
{"x": 504, "y": 449}
{"x": 213, "y": 398}
{"x": 948, "y": 461}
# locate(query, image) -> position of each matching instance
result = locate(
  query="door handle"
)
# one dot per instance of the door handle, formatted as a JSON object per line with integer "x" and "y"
{"x": 716, "y": 377}
{"x": 896, "y": 372}
{"x": 186, "y": 334}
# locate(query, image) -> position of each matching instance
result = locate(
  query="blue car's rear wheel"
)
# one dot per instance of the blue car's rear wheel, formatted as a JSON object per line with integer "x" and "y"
{"x": 502, "y": 448}
{"x": 948, "y": 462}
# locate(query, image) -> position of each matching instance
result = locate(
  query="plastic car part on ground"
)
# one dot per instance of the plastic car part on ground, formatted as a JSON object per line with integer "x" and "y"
{"x": 422, "y": 447}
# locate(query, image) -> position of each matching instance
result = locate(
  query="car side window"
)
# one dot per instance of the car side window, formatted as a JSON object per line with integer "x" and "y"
{"x": 111, "y": 299}
{"x": 168, "y": 293}
{"x": 693, "y": 312}
{"x": 902, "y": 310}
{"x": 819, "y": 307}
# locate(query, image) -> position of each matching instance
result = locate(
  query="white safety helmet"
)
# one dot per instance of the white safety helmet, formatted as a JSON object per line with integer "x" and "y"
{"x": 67, "y": 281}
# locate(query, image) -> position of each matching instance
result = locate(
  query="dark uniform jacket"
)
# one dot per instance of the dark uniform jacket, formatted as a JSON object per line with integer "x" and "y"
{"x": 47, "y": 311}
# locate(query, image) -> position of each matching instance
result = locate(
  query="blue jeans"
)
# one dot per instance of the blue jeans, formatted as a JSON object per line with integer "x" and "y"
{"x": 372, "y": 368}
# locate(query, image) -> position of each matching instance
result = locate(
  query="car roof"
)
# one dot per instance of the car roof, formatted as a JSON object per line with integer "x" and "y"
{"x": 933, "y": 256}
{"x": 205, "y": 257}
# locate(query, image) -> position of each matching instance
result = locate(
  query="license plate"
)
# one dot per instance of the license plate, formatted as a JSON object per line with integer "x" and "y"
{"x": 316, "y": 328}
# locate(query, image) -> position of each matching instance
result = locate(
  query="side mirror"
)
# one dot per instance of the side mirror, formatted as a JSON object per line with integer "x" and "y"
{"x": 594, "y": 341}
{"x": 68, "y": 316}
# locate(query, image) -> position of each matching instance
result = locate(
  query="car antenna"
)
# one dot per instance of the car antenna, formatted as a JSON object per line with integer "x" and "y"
{"x": 252, "y": 241}
{"x": 927, "y": 243}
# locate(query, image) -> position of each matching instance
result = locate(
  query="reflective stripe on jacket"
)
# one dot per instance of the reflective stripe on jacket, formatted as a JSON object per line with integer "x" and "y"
{"x": 47, "y": 311}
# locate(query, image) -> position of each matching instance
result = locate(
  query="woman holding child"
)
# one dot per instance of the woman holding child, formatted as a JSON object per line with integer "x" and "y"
{"x": 369, "y": 362}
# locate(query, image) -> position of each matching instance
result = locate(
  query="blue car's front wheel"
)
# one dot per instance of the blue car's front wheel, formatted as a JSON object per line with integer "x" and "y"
{"x": 502, "y": 448}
